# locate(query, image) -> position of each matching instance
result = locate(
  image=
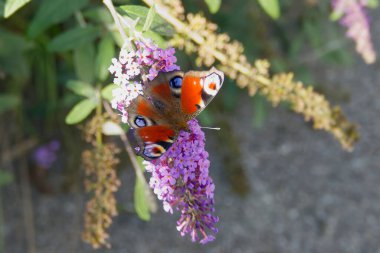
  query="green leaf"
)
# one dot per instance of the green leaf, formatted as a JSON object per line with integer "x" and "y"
{"x": 84, "y": 58}
{"x": 73, "y": 38}
{"x": 2, "y": 5}
{"x": 6, "y": 178}
{"x": 11, "y": 43}
{"x": 159, "y": 25}
{"x": 99, "y": 15}
{"x": 11, "y": 6}
{"x": 107, "y": 91}
{"x": 213, "y": 5}
{"x": 117, "y": 38}
{"x": 149, "y": 18}
{"x": 336, "y": 15}
{"x": 373, "y": 4}
{"x": 140, "y": 198}
{"x": 52, "y": 12}
{"x": 81, "y": 88}
{"x": 80, "y": 111}
{"x": 12, "y": 57}
{"x": 8, "y": 101}
{"x": 271, "y": 7}
{"x": 106, "y": 51}
{"x": 312, "y": 31}
{"x": 161, "y": 42}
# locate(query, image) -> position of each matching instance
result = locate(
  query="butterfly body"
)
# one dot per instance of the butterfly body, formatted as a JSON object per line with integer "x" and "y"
{"x": 169, "y": 102}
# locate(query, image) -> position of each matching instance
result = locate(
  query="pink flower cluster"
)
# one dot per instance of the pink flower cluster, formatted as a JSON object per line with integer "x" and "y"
{"x": 357, "y": 23}
{"x": 180, "y": 178}
{"x": 134, "y": 66}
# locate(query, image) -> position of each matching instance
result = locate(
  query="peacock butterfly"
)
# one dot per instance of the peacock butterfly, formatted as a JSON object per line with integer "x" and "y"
{"x": 169, "y": 102}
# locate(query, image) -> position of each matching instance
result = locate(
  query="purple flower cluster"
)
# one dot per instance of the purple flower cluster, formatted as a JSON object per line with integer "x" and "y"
{"x": 155, "y": 59}
{"x": 45, "y": 155}
{"x": 133, "y": 66}
{"x": 180, "y": 178}
{"x": 357, "y": 22}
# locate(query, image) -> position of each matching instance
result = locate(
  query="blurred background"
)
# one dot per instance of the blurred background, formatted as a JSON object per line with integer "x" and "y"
{"x": 280, "y": 185}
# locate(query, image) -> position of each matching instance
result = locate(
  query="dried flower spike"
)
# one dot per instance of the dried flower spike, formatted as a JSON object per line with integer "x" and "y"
{"x": 101, "y": 182}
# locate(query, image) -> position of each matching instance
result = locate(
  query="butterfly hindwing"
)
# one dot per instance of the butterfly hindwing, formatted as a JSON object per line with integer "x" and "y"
{"x": 151, "y": 142}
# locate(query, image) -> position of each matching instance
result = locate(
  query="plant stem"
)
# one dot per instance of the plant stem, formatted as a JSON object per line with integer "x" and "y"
{"x": 27, "y": 207}
{"x": 116, "y": 18}
{"x": 80, "y": 19}
{"x": 2, "y": 224}
{"x": 135, "y": 163}
{"x": 18, "y": 150}
{"x": 99, "y": 141}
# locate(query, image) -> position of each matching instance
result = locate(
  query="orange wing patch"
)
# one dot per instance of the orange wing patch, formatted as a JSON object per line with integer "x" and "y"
{"x": 156, "y": 134}
{"x": 212, "y": 86}
{"x": 191, "y": 94}
{"x": 162, "y": 90}
{"x": 145, "y": 108}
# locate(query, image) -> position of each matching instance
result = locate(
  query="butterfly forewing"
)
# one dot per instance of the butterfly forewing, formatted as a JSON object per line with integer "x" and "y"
{"x": 198, "y": 89}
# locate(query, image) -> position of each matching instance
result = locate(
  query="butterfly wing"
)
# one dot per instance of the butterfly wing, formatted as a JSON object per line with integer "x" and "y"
{"x": 151, "y": 142}
{"x": 153, "y": 117}
{"x": 198, "y": 89}
{"x": 169, "y": 102}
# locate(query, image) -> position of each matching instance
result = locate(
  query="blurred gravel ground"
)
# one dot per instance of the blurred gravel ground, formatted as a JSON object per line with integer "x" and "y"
{"x": 307, "y": 194}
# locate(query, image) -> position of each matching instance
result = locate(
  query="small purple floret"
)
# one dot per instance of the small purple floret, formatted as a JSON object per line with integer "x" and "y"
{"x": 46, "y": 155}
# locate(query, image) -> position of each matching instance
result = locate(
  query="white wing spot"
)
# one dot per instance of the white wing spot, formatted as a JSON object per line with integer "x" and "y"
{"x": 212, "y": 84}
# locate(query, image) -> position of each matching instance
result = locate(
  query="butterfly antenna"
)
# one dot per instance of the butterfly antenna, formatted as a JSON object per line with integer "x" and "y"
{"x": 212, "y": 128}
